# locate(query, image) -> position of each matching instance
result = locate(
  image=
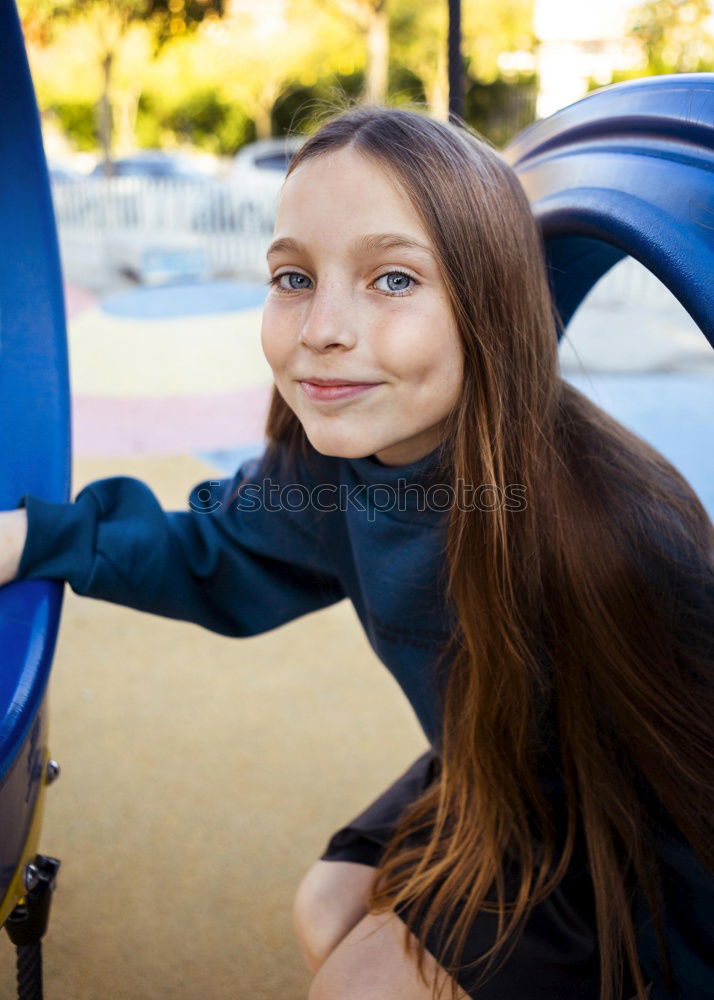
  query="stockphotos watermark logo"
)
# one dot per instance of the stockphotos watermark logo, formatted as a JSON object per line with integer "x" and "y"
{"x": 371, "y": 500}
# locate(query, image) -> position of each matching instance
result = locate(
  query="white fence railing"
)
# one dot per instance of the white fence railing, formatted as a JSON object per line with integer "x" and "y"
{"x": 216, "y": 228}
{"x": 131, "y": 220}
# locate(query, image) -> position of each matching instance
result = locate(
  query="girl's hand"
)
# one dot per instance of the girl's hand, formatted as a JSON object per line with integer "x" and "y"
{"x": 13, "y": 530}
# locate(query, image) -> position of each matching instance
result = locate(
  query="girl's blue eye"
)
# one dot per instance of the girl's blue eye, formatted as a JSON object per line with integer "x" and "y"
{"x": 397, "y": 282}
{"x": 291, "y": 287}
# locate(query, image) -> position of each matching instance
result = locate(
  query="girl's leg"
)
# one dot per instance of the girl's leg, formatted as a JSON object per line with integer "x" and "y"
{"x": 371, "y": 963}
{"x": 330, "y": 900}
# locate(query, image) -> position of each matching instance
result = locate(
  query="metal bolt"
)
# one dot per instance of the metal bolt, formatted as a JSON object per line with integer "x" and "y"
{"x": 53, "y": 771}
{"x": 30, "y": 877}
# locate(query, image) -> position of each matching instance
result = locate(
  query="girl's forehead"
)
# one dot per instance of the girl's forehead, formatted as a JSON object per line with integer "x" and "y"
{"x": 346, "y": 191}
{"x": 342, "y": 160}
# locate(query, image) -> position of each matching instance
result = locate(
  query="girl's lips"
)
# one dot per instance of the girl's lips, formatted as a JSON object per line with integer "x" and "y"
{"x": 325, "y": 393}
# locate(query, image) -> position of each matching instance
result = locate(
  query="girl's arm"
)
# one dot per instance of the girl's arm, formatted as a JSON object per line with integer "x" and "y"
{"x": 236, "y": 571}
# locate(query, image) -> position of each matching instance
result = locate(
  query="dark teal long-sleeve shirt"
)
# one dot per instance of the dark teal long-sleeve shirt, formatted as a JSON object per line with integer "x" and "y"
{"x": 286, "y": 546}
{"x": 290, "y": 543}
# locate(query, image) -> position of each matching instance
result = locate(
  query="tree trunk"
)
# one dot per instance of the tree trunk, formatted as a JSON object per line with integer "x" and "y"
{"x": 375, "y": 90}
{"x": 105, "y": 111}
{"x": 262, "y": 116}
{"x": 128, "y": 111}
{"x": 436, "y": 88}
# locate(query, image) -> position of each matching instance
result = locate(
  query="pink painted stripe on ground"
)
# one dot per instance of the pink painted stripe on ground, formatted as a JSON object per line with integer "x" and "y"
{"x": 77, "y": 299}
{"x": 173, "y": 425}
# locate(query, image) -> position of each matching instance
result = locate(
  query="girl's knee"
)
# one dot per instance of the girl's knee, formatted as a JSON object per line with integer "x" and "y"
{"x": 372, "y": 963}
{"x": 330, "y": 900}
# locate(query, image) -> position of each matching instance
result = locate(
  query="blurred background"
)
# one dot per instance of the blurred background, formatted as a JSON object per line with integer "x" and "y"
{"x": 165, "y": 120}
{"x": 202, "y": 776}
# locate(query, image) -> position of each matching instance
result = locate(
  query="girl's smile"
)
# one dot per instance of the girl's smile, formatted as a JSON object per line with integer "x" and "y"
{"x": 325, "y": 393}
{"x": 357, "y": 300}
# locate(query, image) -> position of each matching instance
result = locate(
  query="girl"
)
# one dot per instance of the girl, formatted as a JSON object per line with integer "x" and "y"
{"x": 537, "y": 578}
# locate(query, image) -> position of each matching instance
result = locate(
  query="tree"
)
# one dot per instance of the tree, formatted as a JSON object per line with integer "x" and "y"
{"x": 493, "y": 29}
{"x": 420, "y": 43}
{"x": 252, "y": 63}
{"x": 371, "y": 17}
{"x": 119, "y": 37}
{"x": 171, "y": 17}
{"x": 677, "y": 36}
{"x": 420, "y": 33}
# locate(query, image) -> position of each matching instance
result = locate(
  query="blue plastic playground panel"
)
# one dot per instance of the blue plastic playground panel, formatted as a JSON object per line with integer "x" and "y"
{"x": 34, "y": 424}
{"x": 627, "y": 170}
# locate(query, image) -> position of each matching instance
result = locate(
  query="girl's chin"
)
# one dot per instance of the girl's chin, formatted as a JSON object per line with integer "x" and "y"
{"x": 337, "y": 447}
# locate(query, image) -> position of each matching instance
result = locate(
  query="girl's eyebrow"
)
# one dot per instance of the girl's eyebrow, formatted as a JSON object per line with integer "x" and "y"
{"x": 365, "y": 244}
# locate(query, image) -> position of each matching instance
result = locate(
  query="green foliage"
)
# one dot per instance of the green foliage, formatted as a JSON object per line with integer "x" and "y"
{"x": 77, "y": 119}
{"x": 501, "y": 109}
{"x": 405, "y": 87}
{"x": 149, "y": 131}
{"x": 193, "y": 11}
{"x": 677, "y": 36}
{"x": 216, "y": 86}
{"x": 295, "y": 108}
{"x": 176, "y": 17}
{"x": 42, "y": 18}
{"x": 419, "y": 33}
{"x": 204, "y": 120}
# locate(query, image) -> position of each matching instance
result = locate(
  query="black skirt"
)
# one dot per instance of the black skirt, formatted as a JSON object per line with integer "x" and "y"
{"x": 556, "y": 955}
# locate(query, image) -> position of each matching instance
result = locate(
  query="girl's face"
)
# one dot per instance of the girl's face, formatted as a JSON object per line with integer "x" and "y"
{"x": 357, "y": 299}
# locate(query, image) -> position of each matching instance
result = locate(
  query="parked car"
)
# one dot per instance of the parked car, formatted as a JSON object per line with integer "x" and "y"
{"x": 151, "y": 163}
{"x": 264, "y": 157}
{"x": 246, "y": 199}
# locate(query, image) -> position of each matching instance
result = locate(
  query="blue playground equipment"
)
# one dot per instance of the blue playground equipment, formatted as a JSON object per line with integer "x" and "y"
{"x": 627, "y": 170}
{"x": 35, "y": 449}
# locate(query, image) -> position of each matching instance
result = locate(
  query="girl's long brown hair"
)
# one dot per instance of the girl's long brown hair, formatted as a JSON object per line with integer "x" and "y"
{"x": 590, "y": 607}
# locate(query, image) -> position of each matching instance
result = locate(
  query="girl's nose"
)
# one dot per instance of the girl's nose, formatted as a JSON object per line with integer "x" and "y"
{"x": 329, "y": 322}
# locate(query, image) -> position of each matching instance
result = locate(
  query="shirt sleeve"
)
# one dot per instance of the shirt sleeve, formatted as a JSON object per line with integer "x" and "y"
{"x": 235, "y": 566}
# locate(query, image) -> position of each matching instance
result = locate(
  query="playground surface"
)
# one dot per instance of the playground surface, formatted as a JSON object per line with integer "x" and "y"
{"x": 203, "y": 775}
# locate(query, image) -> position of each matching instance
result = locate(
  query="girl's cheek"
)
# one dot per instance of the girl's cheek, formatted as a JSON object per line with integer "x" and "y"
{"x": 272, "y": 339}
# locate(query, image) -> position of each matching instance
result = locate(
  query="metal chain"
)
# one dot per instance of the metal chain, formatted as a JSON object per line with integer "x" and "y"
{"x": 29, "y": 971}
